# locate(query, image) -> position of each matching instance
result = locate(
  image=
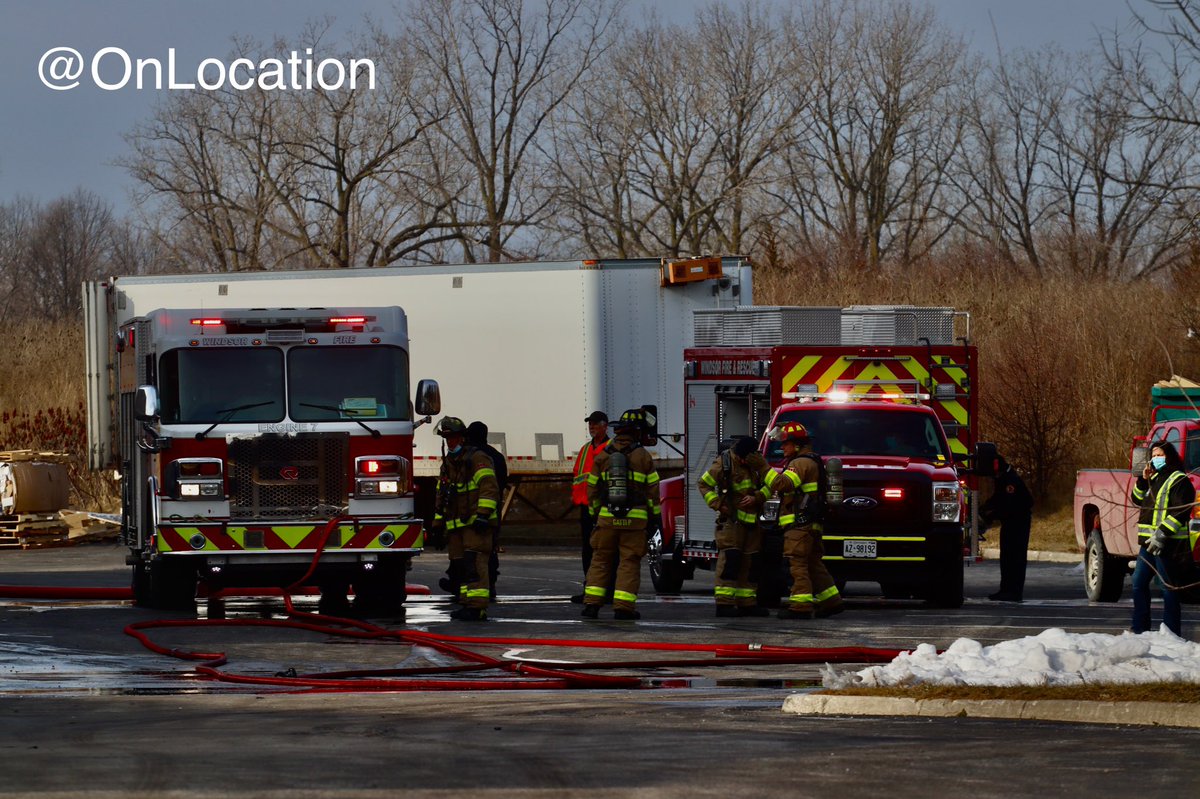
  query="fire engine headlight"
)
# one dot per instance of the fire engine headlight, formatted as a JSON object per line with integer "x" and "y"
{"x": 189, "y": 490}
{"x": 197, "y": 490}
{"x": 382, "y": 476}
{"x": 946, "y": 502}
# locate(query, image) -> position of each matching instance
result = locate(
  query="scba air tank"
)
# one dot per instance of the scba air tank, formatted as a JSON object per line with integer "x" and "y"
{"x": 833, "y": 474}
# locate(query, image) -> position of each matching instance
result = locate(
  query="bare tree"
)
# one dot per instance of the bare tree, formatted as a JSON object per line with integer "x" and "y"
{"x": 881, "y": 129}
{"x": 71, "y": 241}
{"x": 17, "y": 220}
{"x": 504, "y": 68}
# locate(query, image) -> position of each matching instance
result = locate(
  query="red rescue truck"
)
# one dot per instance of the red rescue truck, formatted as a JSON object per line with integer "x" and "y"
{"x": 247, "y": 441}
{"x": 889, "y": 390}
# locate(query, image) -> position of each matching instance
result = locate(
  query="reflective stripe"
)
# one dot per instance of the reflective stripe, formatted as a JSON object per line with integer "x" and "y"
{"x": 624, "y": 596}
{"x": 635, "y": 513}
{"x": 724, "y": 591}
{"x": 594, "y": 590}
{"x": 1162, "y": 517}
{"x": 808, "y": 488}
{"x": 801, "y": 599}
{"x": 746, "y": 518}
{"x": 795, "y": 478}
{"x": 710, "y": 496}
{"x": 1138, "y": 494}
{"x": 745, "y": 593}
{"x": 828, "y": 593}
{"x": 489, "y": 504}
{"x": 708, "y": 479}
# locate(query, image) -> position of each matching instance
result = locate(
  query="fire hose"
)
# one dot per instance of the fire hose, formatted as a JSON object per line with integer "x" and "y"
{"x": 517, "y": 673}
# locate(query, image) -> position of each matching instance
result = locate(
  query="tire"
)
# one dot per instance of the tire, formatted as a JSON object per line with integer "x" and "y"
{"x": 667, "y": 576}
{"x": 1103, "y": 575}
{"x": 170, "y": 585}
{"x": 946, "y": 588}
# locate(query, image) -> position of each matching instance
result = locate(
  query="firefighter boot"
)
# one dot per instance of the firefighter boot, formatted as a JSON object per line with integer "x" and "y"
{"x": 753, "y": 610}
{"x": 591, "y": 611}
{"x": 469, "y": 614}
{"x": 626, "y": 615}
{"x": 795, "y": 615}
{"x": 727, "y": 611}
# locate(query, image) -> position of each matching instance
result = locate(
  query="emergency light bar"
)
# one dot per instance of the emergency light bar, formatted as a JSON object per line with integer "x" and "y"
{"x": 847, "y": 396}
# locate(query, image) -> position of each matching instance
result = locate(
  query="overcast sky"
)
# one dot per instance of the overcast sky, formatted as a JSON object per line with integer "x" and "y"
{"x": 54, "y": 141}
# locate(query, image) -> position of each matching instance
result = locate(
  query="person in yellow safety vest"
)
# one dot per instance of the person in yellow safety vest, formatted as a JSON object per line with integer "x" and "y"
{"x": 464, "y": 513}
{"x": 1165, "y": 495}
{"x": 597, "y": 422}
{"x": 814, "y": 592}
{"x": 735, "y": 486}
{"x": 623, "y": 491}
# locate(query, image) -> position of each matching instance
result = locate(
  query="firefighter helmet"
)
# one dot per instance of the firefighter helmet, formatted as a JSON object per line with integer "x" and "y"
{"x": 450, "y": 426}
{"x": 634, "y": 418}
{"x": 790, "y": 431}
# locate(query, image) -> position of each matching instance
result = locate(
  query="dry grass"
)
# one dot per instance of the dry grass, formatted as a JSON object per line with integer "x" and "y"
{"x": 1150, "y": 692}
{"x": 1050, "y": 532}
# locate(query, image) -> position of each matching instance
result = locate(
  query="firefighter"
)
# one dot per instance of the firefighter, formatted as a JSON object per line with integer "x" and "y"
{"x": 464, "y": 513}
{"x": 597, "y": 422}
{"x": 623, "y": 492}
{"x": 477, "y": 435}
{"x": 1011, "y": 504}
{"x": 735, "y": 486}
{"x": 1165, "y": 495}
{"x": 814, "y": 592}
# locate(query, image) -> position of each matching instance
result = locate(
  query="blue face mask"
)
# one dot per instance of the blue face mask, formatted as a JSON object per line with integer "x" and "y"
{"x": 1158, "y": 461}
{"x": 455, "y": 450}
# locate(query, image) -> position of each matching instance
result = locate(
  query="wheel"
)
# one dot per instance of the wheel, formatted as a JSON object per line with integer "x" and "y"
{"x": 896, "y": 590}
{"x": 1103, "y": 575}
{"x": 667, "y": 576}
{"x": 170, "y": 585}
{"x": 141, "y": 584}
{"x": 946, "y": 588}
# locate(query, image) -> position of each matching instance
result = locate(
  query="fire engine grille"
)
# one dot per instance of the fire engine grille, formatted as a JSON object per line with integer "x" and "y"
{"x": 296, "y": 477}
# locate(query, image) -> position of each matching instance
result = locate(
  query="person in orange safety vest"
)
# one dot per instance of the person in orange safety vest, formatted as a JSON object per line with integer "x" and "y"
{"x": 597, "y": 422}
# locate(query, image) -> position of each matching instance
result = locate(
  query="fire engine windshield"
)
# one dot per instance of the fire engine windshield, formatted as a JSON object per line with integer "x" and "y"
{"x": 227, "y": 384}
{"x": 862, "y": 431}
{"x": 330, "y": 383}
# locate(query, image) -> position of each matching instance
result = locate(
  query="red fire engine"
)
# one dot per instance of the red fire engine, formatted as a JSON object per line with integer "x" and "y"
{"x": 249, "y": 440}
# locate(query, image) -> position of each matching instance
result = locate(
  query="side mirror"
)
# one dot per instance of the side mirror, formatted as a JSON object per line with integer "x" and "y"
{"x": 986, "y": 457}
{"x": 429, "y": 398}
{"x": 650, "y": 435}
{"x": 145, "y": 404}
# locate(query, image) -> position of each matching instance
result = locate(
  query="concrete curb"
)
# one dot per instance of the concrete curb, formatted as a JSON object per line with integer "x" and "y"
{"x": 990, "y": 553}
{"x": 1158, "y": 714}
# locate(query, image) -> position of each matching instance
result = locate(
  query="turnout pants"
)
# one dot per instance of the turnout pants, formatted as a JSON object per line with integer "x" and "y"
{"x": 626, "y": 548}
{"x": 469, "y": 551}
{"x": 738, "y": 548}
{"x": 812, "y": 585}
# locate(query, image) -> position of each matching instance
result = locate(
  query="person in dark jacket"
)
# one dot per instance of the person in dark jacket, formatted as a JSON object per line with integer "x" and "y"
{"x": 1011, "y": 504}
{"x": 477, "y": 437}
{"x": 1165, "y": 495}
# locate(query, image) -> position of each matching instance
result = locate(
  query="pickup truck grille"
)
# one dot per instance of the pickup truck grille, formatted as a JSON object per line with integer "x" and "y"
{"x": 873, "y": 513}
{"x": 277, "y": 477}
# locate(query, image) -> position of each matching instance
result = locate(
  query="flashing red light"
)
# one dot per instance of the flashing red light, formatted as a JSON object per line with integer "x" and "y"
{"x": 379, "y": 466}
{"x": 347, "y": 320}
{"x": 208, "y": 322}
{"x": 893, "y": 493}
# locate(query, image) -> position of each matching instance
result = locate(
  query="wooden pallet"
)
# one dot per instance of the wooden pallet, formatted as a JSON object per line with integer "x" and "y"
{"x": 43, "y": 456}
{"x": 28, "y": 530}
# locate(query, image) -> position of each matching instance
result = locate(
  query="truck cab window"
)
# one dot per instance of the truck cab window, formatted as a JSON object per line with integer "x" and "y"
{"x": 850, "y": 431}
{"x": 332, "y": 383}
{"x": 1192, "y": 453}
{"x": 227, "y": 384}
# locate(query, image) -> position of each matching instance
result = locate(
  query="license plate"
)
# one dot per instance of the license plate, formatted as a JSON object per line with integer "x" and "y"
{"x": 858, "y": 548}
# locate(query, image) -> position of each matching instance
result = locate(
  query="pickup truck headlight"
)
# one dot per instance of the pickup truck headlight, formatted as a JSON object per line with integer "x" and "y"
{"x": 383, "y": 476}
{"x": 947, "y": 502}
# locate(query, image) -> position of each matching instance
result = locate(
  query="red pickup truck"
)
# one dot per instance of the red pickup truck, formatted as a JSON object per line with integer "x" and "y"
{"x": 1105, "y": 517}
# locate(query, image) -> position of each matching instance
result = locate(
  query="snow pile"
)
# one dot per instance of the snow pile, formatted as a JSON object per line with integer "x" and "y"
{"x": 1053, "y": 657}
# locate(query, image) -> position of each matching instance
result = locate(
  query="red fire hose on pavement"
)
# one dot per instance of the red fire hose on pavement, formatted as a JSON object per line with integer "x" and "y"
{"x": 518, "y": 673}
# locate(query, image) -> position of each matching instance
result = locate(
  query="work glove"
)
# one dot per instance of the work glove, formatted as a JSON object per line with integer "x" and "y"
{"x": 1157, "y": 543}
{"x": 651, "y": 528}
{"x": 481, "y": 526}
{"x": 435, "y": 536}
